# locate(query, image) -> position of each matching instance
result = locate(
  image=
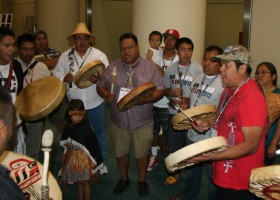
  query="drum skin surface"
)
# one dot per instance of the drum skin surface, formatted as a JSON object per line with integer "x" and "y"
{"x": 40, "y": 98}
{"x": 179, "y": 159}
{"x": 81, "y": 78}
{"x": 27, "y": 174}
{"x": 181, "y": 122}
{"x": 126, "y": 102}
{"x": 265, "y": 182}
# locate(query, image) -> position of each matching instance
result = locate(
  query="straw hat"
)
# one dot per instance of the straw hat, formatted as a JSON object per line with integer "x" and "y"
{"x": 81, "y": 28}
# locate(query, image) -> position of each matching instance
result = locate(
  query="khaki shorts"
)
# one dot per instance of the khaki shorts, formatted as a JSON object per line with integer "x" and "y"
{"x": 140, "y": 140}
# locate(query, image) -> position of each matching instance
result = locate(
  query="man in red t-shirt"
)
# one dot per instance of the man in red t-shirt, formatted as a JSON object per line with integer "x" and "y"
{"x": 241, "y": 118}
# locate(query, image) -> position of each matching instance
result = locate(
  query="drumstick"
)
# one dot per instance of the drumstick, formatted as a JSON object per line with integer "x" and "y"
{"x": 178, "y": 109}
{"x": 114, "y": 73}
{"x": 47, "y": 140}
{"x": 181, "y": 87}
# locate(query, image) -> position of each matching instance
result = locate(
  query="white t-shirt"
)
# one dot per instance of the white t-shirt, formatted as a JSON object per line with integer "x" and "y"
{"x": 4, "y": 70}
{"x": 40, "y": 70}
{"x": 157, "y": 55}
{"x": 70, "y": 61}
{"x": 4, "y": 74}
{"x": 163, "y": 103}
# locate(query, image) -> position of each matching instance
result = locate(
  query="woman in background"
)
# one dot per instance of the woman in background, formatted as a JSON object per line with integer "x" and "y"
{"x": 266, "y": 76}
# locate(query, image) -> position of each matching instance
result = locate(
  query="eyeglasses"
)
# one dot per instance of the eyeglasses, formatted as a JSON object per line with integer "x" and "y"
{"x": 127, "y": 48}
{"x": 261, "y": 72}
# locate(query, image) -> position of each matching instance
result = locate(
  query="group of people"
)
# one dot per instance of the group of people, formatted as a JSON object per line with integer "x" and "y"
{"x": 223, "y": 79}
{"x": 20, "y": 66}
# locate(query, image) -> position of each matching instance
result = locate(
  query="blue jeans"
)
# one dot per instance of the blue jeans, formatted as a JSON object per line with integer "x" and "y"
{"x": 193, "y": 180}
{"x": 96, "y": 118}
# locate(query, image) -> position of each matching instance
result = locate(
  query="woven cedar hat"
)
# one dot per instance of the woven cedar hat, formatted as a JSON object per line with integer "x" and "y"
{"x": 273, "y": 107}
{"x": 81, "y": 28}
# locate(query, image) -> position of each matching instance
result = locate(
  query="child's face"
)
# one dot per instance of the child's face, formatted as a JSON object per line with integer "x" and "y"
{"x": 77, "y": 118}
{"x": 155, "y": 41}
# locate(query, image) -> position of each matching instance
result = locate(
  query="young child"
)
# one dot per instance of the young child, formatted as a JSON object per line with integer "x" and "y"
{"x": 154, "y": 53}
{"x": 82, "y": 158}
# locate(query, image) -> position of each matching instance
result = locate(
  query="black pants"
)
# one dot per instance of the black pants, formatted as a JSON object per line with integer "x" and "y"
{"x": 230, "y": 194}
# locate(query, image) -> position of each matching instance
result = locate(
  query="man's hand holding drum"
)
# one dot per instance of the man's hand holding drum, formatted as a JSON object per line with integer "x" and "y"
{"x": 185, "y": 103}
{"x": 68, "y": 78}
{"x": 94, "y": 78}
{"x": 50, "y": 62}
{"x": 109, "y": 97}
{"x": 208, "y": 156}
{"x": 175, "y": 92}
{"x": 147, "y": 99}
{"x": 178, "y": 98}
{"x": 202, "y": 125}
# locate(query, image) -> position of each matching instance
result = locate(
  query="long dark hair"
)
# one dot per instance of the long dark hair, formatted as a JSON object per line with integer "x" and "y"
{"x": 74, "y": 105}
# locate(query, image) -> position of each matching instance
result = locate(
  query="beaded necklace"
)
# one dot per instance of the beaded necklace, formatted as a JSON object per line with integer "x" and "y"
{"x": 164, "y": 67}
{"x": 223, "y": 105}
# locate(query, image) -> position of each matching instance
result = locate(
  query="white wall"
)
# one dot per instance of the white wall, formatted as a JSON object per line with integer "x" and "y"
{"x": 187, "y": 16}
{"x": 110, "y": 20}
{"x": 265, "y": 33}
{"x": 224, "y": 21}
{"x": 223, "y": 24}
{"x": 20, "y": 9}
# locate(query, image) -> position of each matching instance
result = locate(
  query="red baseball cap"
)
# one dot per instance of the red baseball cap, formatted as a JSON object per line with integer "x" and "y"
{"x": 172, "y": 32}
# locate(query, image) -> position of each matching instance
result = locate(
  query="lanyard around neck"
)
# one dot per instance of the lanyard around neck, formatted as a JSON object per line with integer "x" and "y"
{"x": 180, "y": 73}
{"x": 129, "y": 72}
{"x": 79, "y": 66}
{"x": 202, "y": 91}
{"x": 164, "y": 67}
{"x": 223, "y": 105}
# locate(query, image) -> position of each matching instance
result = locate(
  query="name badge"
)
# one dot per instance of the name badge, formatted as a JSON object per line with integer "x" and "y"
{"x": 123, "y": 92}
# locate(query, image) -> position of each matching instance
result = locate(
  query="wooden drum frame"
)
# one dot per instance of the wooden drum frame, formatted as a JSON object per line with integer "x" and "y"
{"x": 126, "y": 102}
{"x": 81, "y": 78}
{"x": 40, "y": 98}
{"x": 180, "y": 158}
{"x": 27, "y": 174}
{"x": 265, "y": 182}
{"x": 181, "y": 122}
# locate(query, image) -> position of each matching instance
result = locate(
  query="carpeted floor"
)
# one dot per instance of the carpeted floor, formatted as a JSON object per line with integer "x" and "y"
{"x": 103, "y": 188}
